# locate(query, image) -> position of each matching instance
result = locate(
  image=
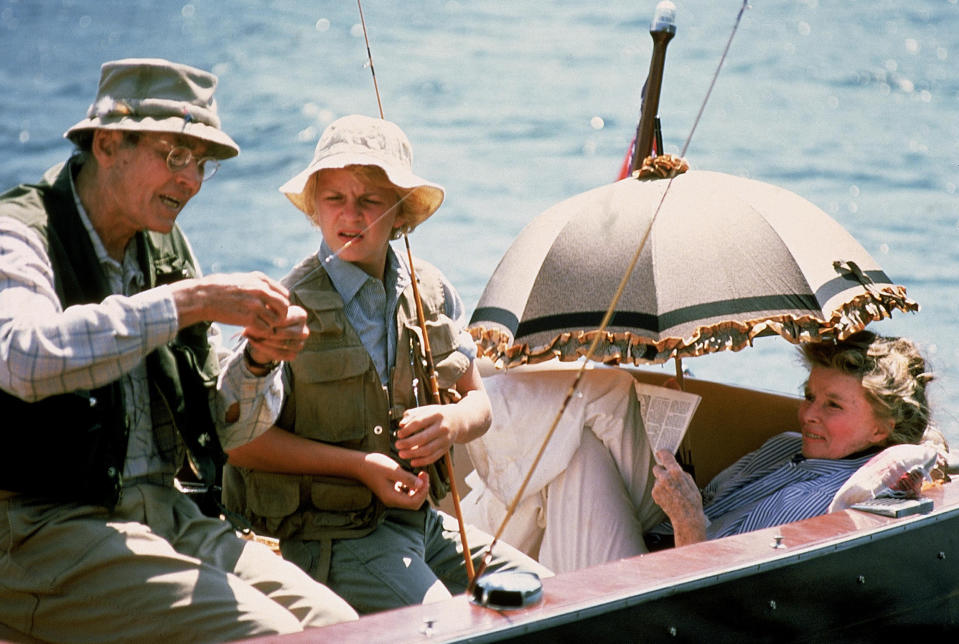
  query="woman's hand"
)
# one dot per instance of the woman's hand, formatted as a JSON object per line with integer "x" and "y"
{"x": 677, "y": 494}
{"x": 394, "y": 486}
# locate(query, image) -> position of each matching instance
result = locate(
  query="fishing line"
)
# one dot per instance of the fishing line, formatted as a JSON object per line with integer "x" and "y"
{"x": 328, "y": 258}
{"x": 609, "y": 311}
{"x": 379, "y": 104}
{"x": 427, "y": 354}
{"x": 369, "y": 57}
{"x": 712, "y": 83}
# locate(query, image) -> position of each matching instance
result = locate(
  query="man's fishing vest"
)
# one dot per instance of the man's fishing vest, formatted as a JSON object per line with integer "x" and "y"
{"x": 337, "y": 398}
{"x": 72, "y": 447}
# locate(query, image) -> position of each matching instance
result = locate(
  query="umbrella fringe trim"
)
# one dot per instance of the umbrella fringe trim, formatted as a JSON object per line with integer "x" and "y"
{"x": 628, "y": 347}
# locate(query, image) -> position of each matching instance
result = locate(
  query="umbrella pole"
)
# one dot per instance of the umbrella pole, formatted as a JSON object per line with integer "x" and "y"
{"x": 685, "y": 455}
{"x": 662, "y": 29}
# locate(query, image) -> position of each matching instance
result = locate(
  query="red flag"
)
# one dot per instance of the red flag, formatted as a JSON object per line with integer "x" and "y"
{"x": 628, "y": 160}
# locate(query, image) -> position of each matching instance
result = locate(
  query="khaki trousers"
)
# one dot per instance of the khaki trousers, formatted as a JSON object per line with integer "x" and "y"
{"x": 413, "y": 557}
{"x": 155, "y": 569}
{"x": 589, "y": 499}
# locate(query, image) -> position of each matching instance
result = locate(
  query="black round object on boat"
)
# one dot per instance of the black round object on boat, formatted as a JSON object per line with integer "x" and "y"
{"x": 507, "y": 589}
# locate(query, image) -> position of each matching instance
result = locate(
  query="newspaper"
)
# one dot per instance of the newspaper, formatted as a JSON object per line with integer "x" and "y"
{"x": 666, "y": 414}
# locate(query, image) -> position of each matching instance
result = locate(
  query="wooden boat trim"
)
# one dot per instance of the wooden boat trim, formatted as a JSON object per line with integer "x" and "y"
{"x": 631, "y": 582}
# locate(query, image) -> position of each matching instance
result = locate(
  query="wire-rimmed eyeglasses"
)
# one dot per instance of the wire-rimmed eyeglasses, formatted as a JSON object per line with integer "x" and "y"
{"x": 179, "y": 157}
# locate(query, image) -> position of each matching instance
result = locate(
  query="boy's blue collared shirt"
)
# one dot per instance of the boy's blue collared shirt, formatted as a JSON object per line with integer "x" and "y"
{"x": 370, "y": 305}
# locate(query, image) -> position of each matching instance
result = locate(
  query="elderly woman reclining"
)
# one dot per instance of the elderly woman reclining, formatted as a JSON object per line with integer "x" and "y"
{"x": 602, "y": 494}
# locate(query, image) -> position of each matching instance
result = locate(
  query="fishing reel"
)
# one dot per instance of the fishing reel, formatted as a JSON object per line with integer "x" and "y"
{"x": 507, "y": 590}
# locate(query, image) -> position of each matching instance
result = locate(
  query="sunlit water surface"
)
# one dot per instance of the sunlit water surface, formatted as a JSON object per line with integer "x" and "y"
{"x": 514, "y": 107}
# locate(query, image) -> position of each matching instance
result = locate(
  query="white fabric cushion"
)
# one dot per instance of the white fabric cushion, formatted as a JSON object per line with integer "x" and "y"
{"x": 883, "y": 471}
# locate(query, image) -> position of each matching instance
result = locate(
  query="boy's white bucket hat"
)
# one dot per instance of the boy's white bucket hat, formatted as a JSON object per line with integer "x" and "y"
{"x": 362, "y": 140}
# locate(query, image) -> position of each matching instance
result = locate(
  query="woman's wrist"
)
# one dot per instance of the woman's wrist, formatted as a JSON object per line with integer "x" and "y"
{"x": 691, "y": 530}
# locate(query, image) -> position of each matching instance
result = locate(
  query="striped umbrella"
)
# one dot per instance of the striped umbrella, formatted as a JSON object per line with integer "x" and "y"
{"x": 727, "y": 259}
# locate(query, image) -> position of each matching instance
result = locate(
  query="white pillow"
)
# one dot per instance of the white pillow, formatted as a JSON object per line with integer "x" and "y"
{"x": 883, "y": 471}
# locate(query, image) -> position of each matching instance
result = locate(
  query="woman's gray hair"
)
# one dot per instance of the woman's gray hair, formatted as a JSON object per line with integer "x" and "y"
{"x": 892, "y": 372}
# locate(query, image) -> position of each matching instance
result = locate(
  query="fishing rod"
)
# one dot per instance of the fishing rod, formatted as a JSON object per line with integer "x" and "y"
{"x": 435, "y": 394}
{"x": 607, "y": 317}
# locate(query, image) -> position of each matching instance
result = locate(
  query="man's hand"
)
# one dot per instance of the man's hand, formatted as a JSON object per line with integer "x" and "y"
{"x": 249, "y": 300}
{"x": 283, "y": 341}
{"x": 275, "y": 330}
{"x": 394, "y": 486}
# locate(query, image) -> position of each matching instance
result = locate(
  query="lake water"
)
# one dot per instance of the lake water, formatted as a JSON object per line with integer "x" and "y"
{"x": 515, "y": 106}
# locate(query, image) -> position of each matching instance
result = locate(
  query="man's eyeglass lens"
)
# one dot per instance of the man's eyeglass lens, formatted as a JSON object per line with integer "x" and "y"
{"x": 180, "y": 157}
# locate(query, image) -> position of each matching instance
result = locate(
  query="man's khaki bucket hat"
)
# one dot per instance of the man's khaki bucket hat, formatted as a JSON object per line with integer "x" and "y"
{"x": 156, "y": 95}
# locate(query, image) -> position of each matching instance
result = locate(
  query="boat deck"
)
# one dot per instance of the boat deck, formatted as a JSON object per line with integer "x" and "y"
{"x": 923, "y": 559}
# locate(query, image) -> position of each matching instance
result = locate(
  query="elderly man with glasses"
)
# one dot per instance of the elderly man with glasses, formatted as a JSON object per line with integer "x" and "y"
{"x": 112, "y": 378}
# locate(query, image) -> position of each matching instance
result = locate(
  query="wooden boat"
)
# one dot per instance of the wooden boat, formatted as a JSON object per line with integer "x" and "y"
{"x": 844, "y": 576}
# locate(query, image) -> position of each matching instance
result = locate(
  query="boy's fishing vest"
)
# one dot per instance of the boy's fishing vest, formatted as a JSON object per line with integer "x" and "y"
{"x": 338, "y": 399}
{"x": 73, "y": 446}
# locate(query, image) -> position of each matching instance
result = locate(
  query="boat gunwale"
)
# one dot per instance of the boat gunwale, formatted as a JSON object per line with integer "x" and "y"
{"x": 886, "y": 527}
{"x": 634, "y": 581}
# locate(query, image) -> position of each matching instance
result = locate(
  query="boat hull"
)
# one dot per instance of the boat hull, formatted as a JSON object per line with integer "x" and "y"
{"x": 860, "y": 589}
{"x": 845, "y": 576}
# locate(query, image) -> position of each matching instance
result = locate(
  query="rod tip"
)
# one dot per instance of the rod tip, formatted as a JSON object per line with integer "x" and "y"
{"x": 664, "y": 18}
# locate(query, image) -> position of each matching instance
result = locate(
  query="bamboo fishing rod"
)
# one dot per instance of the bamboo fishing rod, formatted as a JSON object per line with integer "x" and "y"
{"x": 435, "y": 394}
{"x": 607, "y": 317}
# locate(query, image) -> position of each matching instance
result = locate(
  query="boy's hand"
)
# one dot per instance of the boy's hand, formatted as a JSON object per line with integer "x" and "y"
{"x": 425, "y": 434}
{"x": 394, "y": 486}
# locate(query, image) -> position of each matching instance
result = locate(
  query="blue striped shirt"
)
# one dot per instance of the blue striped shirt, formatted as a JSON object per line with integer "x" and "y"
{"x": 772, "y": 486}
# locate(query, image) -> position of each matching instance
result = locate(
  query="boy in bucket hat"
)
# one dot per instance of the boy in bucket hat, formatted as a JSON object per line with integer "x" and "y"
{"x": 110, "y": 376}
{"x": 357, "y": 420}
